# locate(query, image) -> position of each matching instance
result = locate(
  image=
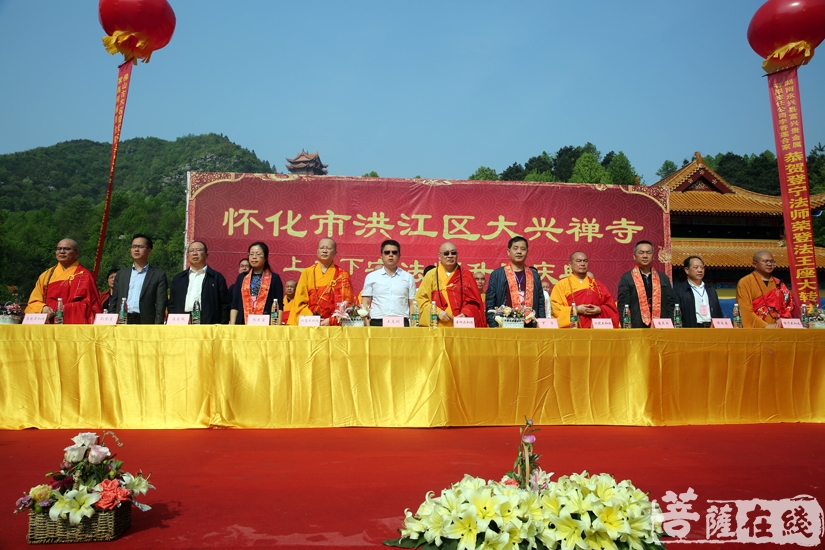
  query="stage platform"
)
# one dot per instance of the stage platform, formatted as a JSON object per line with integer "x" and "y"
{"x": 171, "y": 377}
{"x": 348, "y": 488}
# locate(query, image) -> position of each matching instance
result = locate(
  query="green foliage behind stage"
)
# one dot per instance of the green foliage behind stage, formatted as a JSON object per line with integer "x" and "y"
{"x": 50, "y": 193}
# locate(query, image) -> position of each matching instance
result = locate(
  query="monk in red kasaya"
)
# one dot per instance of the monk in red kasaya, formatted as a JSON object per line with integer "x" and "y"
{"x": 762, "y": 298}
{"x": 69, "y": 281}
{"x": 453, "y": 290}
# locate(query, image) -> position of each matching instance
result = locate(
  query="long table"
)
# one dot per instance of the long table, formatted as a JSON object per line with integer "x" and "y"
{"x": 274, "y": 377}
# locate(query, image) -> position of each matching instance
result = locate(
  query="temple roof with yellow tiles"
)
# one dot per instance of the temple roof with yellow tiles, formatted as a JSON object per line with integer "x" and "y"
{"x": 733, "y": 253}
{"x": 697, "y": 189}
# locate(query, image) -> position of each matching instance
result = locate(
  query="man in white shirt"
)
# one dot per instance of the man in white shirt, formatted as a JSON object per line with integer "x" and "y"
{"x": 200, "y": 284}
{"x": 389, "y": 291}
{"x": 698, "y": 301}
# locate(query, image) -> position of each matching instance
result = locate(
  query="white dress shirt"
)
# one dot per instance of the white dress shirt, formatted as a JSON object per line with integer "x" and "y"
{"x": 193, "y": 291}
{"x": 391, "y": 294}
{"x": 700, "y": 296}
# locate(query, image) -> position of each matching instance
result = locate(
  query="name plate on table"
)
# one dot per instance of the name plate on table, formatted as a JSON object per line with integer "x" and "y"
{"x": 721, "y": 322}
{"x": 309, "y": 321}
{"x": 602, "y": 323}
{"x": 105, "y": 319}
{"x": 464, "y": 322}
{"x": 548, "y": 323}
{"x": 789, "y": 323}
{"x": 393, "y": 322}
{"x": 177, "y": 319}
{"x": 35, "y": 318}
{"x": 257, "y": 320}
{"x": 662, "y": 323}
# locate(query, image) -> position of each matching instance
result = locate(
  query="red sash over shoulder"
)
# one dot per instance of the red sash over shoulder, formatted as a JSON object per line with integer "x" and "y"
{"x": 644, "y": 305}
{"x": 512, "y": 286}
{"x": 598, "y": 295}
{"x": 775, "y": 303}
{"x": 251, "y": 304}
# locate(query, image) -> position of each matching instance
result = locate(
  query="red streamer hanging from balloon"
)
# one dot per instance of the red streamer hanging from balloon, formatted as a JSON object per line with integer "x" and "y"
{"x": 134, "y": 28}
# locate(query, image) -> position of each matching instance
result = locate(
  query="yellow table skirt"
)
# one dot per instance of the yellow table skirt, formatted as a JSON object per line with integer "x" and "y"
{"x": 276, "y": 377}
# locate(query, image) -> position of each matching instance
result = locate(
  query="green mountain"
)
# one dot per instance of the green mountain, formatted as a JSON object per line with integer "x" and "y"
{"x": 50, "y": 193}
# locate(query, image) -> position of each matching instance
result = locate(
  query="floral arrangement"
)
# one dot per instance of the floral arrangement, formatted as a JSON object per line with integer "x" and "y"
{"x": 521, "y": 312}
{"x": 89, "y": 479}
{"x": 816, "y": 315}
{"x": 349, "y": 311}
{"x": 11, "y": 308}
{"x": 528, "y": 510}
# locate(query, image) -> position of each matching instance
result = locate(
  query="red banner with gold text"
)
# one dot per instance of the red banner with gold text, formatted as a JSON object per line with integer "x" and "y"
{"x": 292, "y": 213}
{"x": 124, "y": 75}
{"x": 786, "y": 109}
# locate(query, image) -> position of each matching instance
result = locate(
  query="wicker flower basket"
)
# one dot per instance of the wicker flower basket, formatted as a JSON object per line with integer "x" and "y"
{"x": 352, "y": 322}
{"x": 103, "y": 525}
{"x": 10, "y": 319}
{"x": 510, "y": 322}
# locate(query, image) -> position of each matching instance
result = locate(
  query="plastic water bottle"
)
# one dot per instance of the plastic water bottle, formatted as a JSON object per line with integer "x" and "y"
{"x": 677, "y": 316}
{"x": 626, "y": 322}
{"x": 121, "y": 315}
{"x": 196, "y": 313}
{"x": 574, "y": 316}
{"x": 433, "y": 315}
{"x": 737, "y": 317}
{"x": 414, "y": 316}
{"x": 275, "y": 315}
{"x": 804, "y": 316}
{"x": 58, "y": 315}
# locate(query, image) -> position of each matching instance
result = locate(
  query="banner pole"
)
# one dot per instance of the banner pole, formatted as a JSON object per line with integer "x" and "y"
{"x": 786, "y": 111}
{"x": 124, "y": 76}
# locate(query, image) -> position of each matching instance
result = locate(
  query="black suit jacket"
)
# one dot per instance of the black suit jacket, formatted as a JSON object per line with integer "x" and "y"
{"x": 687, "y": 303}
{"x": 276, "y": 290}
{"x": 215, "y": 298}
{"x": 628, "y": 295}
{"x": 497, "y": 289}
{"x": 152, "y": 294}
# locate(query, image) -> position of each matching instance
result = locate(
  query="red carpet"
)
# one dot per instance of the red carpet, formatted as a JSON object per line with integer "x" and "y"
{"x": 348, "y": 487}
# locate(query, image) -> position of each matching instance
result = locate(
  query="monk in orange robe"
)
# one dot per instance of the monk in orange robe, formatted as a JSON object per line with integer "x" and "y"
{"x": 453, "y": 289}
{"x": 289, "y": 298}
{"x": 762, "y": 298}
{"x": 71, "y": 282}
{"x": 592, "y": 299}
{"x": 321, "y": 288}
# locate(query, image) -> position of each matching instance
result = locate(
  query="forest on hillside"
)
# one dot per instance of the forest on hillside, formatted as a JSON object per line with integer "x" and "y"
{"x": 50, "y": 193}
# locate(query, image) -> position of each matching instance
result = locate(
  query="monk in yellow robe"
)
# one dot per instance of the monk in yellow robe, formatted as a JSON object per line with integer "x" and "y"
{"x": 762, "y": 298}
{"x": 453, "y": 290}
{"x": 321, "y": 288}
{"x": 593, "y": 300}
{"x": 72, "y": 283}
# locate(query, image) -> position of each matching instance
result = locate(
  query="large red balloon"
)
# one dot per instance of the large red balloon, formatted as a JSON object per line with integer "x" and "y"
{"x": 777, "y": 24}
{"x": 136, "y": 28}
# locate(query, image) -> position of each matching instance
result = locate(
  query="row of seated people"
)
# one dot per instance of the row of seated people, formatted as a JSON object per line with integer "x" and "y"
{"x": 391, "y": 292}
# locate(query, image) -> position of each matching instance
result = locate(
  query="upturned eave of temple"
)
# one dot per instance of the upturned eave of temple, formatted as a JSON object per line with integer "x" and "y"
{"x": 734, "y": 253}
{"x": 698, "y": 189}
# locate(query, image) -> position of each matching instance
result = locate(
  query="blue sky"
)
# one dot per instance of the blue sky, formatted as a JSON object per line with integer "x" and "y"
{"x": 435, "y": 89}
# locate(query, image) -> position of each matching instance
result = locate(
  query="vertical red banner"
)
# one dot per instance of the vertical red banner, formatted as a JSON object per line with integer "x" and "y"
{"x": 786, "y": 109}
{"x": 124, "y": 75}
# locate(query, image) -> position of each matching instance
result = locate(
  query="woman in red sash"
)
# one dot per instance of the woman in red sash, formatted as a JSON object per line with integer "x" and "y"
{"x": 255, "y": 290}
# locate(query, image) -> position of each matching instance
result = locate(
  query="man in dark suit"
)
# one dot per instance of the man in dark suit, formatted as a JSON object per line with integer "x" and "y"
{"x": 200, "y": 283}
{"x": 698, "y": 301}
{"x": 645, "y": 290}
{"x": 143, "y": 286}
